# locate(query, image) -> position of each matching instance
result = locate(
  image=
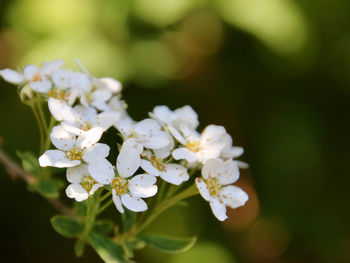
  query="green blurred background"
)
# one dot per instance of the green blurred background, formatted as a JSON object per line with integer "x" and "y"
{"x": 275, "y": 73}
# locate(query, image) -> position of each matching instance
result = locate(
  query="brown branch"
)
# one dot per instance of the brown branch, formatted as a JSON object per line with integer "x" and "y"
{"x": 15, "y": 172}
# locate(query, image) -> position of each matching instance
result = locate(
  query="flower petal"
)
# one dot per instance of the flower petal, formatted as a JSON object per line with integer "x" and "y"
{"x": 129, "y": 159}
{"x": 61, "y": 111}
{"x": 142, "y": 185}
{"x": 111, "y": 84}
{"x": 149, "y": 168}
{"x": 90, "y": 137}
{"x": 77, "y": 192}
{"x": 98, "y": 151}
{"x": 184, "y": 154}
{"x": 203, "y": 189}
{"x": 61, "y": 138}
{"x": 219, "y": 209}
{"x": 185, "y": 115}
{"x": 49, "y": 67}
{"x": 133, "y": 203}
{"x": 147, "y": 127}
{"x": 162, "y": 114}
{"x": 101, "y": 170}
{"x": 77, "y": 173}
{"x": 43, "y": 86}
{"x": 12, "y": 76}
{"x": 174, "y": 174}
{"x": 177, "y": 135}
{"x": 30, "y": 71}
{"x": 56, "y": 158}
{"x": 117, "y": 202}
{"x": 212, "y": 133}
{"x": 156, "y": 140}
{"x": 105, "y": 119}
{"x": 86, "y": 114}
{"x": 233, "y": 196}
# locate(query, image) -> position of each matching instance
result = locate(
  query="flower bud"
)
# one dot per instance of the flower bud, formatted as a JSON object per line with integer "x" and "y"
{"x": 26, "y": 94}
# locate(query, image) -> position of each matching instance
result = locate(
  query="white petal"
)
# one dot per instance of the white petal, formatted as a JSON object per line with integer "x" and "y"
{"x": 43, "y": 86}
{"x": 227, "y": 172}
{"x": 105, "y": 119}
{"x": 62, "y": 78}
{"x": 113, "y": 85}
{"x": 133, "y": 203}
{"x": 12, "y": 76}
{"x": 31, "y": 70}
{"x": 129, "y": 159}
{"x": 61, "y": 111}
{"x": 174, "y": 174}
{"x": 219, "y": 209}
{"x": 77, "y": 192}
{"x": 117, "y": 202}
{"x": 49, "y": 67}
{"x": 142, "y": 185}
{"x": 184, "y": 154}
{"x": 61, "y": 138}
{"x": 156, "y": 140}
{"x": 208, "y": 153}
{"x": 90, "y": 137}
{"x": 72, "y": 128}
{"x": 164, "y": 152}
{"x": 212, "y": 133}
{"x": 242, "y": 165}
{"x": 189, "y": 134}
{"x": 162, "y": 114}
{"x": 85, "y": 114}
{"x": 81, "y": 82}
{"x": 149, "y": 168}
{"x": 56, "y": 158}
{"x": 185, "y": 115}
{"x": 125, "y": 126}
{"x": 102, "y": 171}
{"x": 147, "y": 127}
{"x": 203, "y": 189}
{"x": 94, "y": 188}
{"x": 177, "y": 135}
{"x": 98, "y": 151}
{"x": 233, "y": 196}
{"x": 77, "y": 173}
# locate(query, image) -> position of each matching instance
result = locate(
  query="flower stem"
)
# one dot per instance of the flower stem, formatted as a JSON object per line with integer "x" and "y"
{"x": 41, "y": 128}
{"x": 192, "y": 190}
{"x": 104, "y": 206}
{"x": 105, "y": 196}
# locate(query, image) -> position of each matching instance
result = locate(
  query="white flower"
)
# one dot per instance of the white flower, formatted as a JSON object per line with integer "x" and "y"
{"x": 37, "y": 79}
{"x": 80, "y": 119}
{"x": 129, "y": 192}
{"x": 199, "y": 147}
{"x": 169, "y": 172}
{"x": 215, "y": 186}
{"x": 146, "y": 132}
{"x": 82, "y": 184}
{"x": 73, "y": 150}
{"x": 184, "y": 115}
{"x": 231, "y": 152}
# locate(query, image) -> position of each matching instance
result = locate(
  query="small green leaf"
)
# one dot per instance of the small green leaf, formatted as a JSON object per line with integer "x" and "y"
{"x": 168, "y": 244}
{"x": 30, "y": 162}
{"x": 66, "y": 226}
{"x": 79, "y": 248}
{"x": 109, "y": 251}
{"x": 49, "y": 187}
{"x": 129, "y": 219}
{"x": 103, "y": 226}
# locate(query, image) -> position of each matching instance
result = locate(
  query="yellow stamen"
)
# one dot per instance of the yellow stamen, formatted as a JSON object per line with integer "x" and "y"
{"x": 213, "y": 186}
{"x": 37, "y": 77}
{"x": 157, "y": 163}
{"x": 87, "y": 183}
{"x": 193, "y": 146}
{"x": 120, "y": 185}
{"x": 74, "y": 154}
{"x": 86, "y": 126}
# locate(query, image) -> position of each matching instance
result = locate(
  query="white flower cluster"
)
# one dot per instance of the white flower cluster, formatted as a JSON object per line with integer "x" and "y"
{"x": 165, "y": 145}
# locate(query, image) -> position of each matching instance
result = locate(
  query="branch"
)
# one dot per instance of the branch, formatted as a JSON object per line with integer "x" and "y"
{"x": 16, "y": 172}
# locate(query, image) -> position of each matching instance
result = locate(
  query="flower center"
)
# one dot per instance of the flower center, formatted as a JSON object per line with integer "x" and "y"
{"x": 57, "y": 94}
{"x": 120, "y": 185}
{"x": 86, "y": 126}
{"x": 87, "y": 183}
{"x": 74, "y": 154}
{"x": 157, "y": 163}
{"x": 37, "y": 77}
{"x": 193, "y": 146}
{"x": 213, "y": 186}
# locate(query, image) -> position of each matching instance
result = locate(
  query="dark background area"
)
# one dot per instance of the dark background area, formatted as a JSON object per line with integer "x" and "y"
{"x": 274, "y": 73}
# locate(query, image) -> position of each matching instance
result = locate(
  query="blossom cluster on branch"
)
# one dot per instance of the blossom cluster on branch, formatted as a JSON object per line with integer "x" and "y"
{"x": 165, "y": 146}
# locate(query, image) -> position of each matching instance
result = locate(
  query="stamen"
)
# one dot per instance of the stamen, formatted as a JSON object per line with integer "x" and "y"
{"x": 213, "y": 185}
{"x": 120, "y": 185}
{"x": 87, "y": 183}
{"x": 193, "y": 146}
{"x": 157, "y": 163}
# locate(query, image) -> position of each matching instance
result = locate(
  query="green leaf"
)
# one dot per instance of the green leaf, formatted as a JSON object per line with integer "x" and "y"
{"x": 168, "y": 244}
{"x": 30, "y": 162}
{"x": 49, "y": 187}
{"x": 79, "y": 248}
{"x": 109, "y": 251}
{"x": 103, "y": 226}
{"x": 129, "y": 219}
{"x": 66, "y": 226}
